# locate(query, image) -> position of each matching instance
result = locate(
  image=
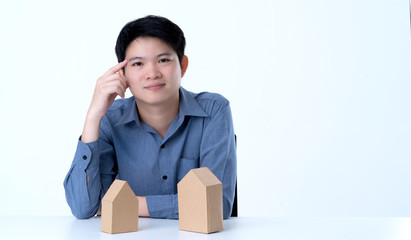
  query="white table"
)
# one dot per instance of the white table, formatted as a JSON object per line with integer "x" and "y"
{"x": 67, "y": 227}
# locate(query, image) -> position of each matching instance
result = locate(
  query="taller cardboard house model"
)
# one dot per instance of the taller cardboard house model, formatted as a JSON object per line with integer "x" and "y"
{"x": 119, "y": 210}
{"x": 200, "y": 202}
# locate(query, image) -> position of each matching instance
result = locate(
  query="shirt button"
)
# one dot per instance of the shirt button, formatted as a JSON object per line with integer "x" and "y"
{"x": 163, "y": 146}
{"x": 84, "y": 157}
{"x": 164, "y": 177}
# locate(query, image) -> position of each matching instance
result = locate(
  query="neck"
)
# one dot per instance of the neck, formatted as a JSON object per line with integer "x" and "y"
{"x": 159, "y": 116}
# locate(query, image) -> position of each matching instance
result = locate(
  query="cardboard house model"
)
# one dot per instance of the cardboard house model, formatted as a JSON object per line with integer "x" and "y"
{"x": 119, "y": 209}
{"x": 200, "y": 201}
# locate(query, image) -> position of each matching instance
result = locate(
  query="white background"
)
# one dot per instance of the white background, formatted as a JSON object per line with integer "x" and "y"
{"x": 319, "y": 89}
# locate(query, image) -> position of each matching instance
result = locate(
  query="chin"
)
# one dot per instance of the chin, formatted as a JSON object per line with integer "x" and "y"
{"x": 151, "y": 100}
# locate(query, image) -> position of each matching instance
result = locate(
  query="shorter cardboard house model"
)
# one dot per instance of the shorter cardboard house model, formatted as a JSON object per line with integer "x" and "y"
{"x": 119, "y": 209}
{"x": 200, "y": 201}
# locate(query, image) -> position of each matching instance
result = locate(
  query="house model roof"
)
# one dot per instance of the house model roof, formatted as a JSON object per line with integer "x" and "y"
{"x": 115, "y": 189}
{"x": 205, "y": 176}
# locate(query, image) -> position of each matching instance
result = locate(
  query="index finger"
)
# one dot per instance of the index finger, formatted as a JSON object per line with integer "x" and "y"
{"x": 117, "y": 67}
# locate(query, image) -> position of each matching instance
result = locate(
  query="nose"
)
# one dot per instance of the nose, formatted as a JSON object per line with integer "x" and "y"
{"x": 152, "y": 72}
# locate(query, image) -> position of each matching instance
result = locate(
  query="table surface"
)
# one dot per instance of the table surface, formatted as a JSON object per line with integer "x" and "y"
{"x": 67, "y": 227}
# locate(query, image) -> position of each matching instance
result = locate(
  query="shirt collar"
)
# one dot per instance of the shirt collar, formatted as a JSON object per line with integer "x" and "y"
{"x": 129, "y": 114}
{"x": 188, "y": 107}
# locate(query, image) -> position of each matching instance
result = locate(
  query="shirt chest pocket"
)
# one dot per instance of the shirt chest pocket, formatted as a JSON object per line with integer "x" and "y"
{"x": 185, "y": 165}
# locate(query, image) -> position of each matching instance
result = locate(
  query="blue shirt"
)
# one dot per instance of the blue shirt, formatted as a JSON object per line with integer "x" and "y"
{"x": 201, "y": 135}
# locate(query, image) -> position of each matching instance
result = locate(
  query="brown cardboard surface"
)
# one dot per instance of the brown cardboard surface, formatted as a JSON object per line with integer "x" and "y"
{"x": 119, "y": 212}
{"x": 215, "y": 207}
{"x": 206, "y": 176}
{"x": 200, "y": 202}
{"x": 192, "y": 200}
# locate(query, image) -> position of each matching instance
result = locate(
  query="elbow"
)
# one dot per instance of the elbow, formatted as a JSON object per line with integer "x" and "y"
{"x": 81, "y": 215}
{"x": 81, "y": 209}
{"x": 80, "y": 205}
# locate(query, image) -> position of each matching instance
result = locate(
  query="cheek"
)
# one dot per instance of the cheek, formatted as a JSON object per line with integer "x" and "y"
{"x": 177, "y": 73}
{"x": 133, "y": 84}
{"x": 132, "y": 77}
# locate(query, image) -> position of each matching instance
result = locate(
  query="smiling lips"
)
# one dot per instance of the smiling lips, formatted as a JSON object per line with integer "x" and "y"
{"x": 155, "y": 86}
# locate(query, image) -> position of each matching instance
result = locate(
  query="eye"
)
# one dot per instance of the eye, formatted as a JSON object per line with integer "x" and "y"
{"x": 137, "y": 64}
{"x": 163, "y": 60}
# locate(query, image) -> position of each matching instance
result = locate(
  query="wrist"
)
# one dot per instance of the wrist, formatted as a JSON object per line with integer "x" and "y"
{"x": 91, "y": 129}
{"x": 94, "y": 116}
{"x": 142, "y": 207}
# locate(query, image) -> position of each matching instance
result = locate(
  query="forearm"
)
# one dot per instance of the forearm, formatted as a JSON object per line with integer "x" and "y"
{"x": 83, "y": 197}
{"x": 91, "y": 128}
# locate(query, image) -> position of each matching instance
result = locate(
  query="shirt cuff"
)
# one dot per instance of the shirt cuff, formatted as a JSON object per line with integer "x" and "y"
{"x": 84, "y": 155}
{"x": 163, "y": 206}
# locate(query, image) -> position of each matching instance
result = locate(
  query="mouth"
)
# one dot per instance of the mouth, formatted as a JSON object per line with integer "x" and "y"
{"x": 155, "y": 86}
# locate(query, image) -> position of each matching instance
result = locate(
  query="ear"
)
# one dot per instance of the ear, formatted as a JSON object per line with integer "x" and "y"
{"x": 184, "y": 65}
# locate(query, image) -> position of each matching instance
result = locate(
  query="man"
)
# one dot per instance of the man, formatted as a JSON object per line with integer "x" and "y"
{"x": 154, "y": 138}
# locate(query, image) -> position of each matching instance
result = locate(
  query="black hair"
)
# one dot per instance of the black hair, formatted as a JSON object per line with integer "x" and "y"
{"x": 151, "y": 26}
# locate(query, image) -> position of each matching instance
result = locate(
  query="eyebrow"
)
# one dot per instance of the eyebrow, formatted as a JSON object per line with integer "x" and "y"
{"x": 158, "y": 56}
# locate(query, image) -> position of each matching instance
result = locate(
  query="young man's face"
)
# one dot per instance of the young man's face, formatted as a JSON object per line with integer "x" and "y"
{"x": 153, "y": 71}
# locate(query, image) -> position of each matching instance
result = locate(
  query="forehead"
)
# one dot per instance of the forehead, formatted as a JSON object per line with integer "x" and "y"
{"x": 148, "y": 46}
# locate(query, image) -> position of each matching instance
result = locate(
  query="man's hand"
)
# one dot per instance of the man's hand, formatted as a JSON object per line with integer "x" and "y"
{"x": 108, "y": 87}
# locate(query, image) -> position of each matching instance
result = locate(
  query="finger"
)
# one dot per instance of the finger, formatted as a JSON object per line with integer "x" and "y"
{"x": 113, "y": 77}
{"x": 114, "y": 84}
{"x": 117, "y": 67}
{"x": 114, "y": 89}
